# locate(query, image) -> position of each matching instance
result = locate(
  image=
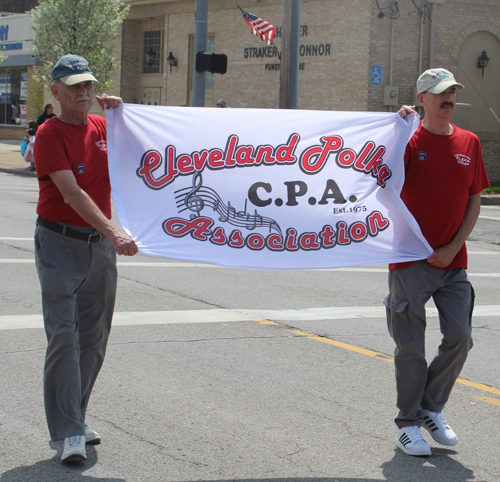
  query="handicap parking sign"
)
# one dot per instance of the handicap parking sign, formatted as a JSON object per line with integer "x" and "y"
{"x": 376, "y": 75}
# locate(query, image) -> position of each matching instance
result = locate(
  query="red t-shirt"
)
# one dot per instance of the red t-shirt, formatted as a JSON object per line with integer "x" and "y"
{"x": 81, "y": 149}
{"x": 441, "y": 173}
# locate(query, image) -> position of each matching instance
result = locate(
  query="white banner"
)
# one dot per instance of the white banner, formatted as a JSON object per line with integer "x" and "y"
{"x": 263, "y": 189}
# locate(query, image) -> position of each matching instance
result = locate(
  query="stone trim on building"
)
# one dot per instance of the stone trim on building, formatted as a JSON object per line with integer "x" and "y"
{"x": 473, "y": 28}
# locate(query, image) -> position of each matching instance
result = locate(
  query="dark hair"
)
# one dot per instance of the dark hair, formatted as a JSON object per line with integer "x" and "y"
{"x": 32, "y": 125}
{"x": 46, "y": 107}
{"x": 31, "y": 132}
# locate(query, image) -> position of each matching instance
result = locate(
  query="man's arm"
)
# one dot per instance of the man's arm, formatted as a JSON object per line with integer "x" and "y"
{"x": 444, "y": 255}
{"x": 83, "y": 204}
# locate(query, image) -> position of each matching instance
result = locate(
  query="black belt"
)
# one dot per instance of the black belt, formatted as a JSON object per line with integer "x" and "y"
{"x": 66, "y": 231}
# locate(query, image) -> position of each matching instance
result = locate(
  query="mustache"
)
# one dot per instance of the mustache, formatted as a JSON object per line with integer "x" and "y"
{"x": 447, "y": 104}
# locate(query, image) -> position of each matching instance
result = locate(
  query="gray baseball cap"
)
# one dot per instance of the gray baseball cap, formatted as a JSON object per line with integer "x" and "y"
{"x": 436, "y": 81}
{"x": 72, "y": 69}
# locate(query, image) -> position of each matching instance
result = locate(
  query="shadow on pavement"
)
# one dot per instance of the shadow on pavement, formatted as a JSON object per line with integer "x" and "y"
{"x": 53, "y": 470}
{"x": 439, "y": 467}
{"x": 402, "y": 468}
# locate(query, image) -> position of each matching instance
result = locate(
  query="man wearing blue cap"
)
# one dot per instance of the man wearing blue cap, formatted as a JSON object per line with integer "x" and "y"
{"x": 75, "y": 251}
{"x": 445, "y": 174}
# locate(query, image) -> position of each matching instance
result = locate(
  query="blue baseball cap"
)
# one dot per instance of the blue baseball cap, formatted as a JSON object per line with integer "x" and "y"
{"x": 72, "y": 69}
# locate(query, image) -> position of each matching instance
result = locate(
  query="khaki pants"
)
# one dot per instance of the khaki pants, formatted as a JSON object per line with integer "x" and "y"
{"x": 78, "y": 283}
{"x": 417, "y": 383}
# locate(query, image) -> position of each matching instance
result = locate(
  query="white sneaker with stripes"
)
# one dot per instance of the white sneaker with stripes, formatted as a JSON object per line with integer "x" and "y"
{"x": 436, "y": 425}
{"x": 411, "y": 442}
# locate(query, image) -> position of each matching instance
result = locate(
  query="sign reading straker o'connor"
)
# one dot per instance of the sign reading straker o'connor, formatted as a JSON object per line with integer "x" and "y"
{"x": 263, "y": 189}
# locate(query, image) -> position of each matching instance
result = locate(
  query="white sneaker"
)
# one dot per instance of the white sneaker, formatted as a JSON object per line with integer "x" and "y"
{"x": 436, "y": 425}
{"x": 411, "y": 442}
{"x": 91, "y": 436}
{"x": 74, "y": 449}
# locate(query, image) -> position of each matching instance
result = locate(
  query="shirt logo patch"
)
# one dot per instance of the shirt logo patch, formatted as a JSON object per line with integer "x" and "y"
{"x": 422, "y": 156}
{"x": 102, "y": 145}
{"x": 81, "y": 168}
{"x": 461, "y": 159}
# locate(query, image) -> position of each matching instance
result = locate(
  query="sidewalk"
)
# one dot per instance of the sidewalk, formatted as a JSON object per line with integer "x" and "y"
{"x": 12, "y": 162}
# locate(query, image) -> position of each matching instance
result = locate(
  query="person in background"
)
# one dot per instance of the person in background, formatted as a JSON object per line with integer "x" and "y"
{"x": 221, "y": 103}
{"x": 445, "y": 175}
{"x": 15, "y": 113}
{"x": 75, "y": 252}
{"x": 48, "y": 113}
{"x": 30, "y": 139}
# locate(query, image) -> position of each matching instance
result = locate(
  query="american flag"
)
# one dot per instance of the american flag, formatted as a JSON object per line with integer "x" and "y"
{"x": 259, "y": 27}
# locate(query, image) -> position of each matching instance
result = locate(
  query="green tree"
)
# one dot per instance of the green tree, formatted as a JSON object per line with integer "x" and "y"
{"x": 3, "y": 55}
{"x": 81, "y": 27}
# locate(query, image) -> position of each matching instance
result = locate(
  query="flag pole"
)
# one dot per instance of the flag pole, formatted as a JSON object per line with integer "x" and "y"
{"x": 200, "y": 45}
{"x": 290, "y": 48}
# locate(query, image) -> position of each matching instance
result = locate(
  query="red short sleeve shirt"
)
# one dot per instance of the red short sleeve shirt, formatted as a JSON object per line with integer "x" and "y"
{"x": 441, "y": 173}
{"x": 81, "y": 149}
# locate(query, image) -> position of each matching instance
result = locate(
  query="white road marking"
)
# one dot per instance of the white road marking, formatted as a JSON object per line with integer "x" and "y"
{"x": 17, "y": 261}
{"x": 132, "y": 318}
{"x": 202, "y": 265}
{"x": 484, "y": 252}
{"x": 174, "y": 264}
{"x": 489, "y": 217}
{"x": 16, "y": 239}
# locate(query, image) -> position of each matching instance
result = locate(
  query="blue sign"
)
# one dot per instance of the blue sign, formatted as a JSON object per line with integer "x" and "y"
{"x": 16, "y": 46}
{"x": 4, "y": 32}
{"x": 5, "y": 78}
{"x": 376, "y": 75}
{"x": 5, "y": 98}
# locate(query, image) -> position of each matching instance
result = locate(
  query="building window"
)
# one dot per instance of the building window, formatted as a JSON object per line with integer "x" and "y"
{"x": 152, "y": 42}
{"x": 13, "y": 96}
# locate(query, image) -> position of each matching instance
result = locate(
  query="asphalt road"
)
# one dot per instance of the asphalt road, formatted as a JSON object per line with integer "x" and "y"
{"x": 217, "y": 374}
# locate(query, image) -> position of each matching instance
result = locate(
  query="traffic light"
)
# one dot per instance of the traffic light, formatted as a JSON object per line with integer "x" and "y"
{"x": 213, "y": 63}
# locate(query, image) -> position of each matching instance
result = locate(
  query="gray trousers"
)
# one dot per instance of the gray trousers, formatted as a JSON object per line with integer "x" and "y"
{"x": 78, "y": 284}
{"x": 417, "y": 383}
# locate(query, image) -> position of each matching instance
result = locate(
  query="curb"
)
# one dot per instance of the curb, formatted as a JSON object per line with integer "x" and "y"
{"x": 488, "y": 200}
{"x": 17, "y": 170}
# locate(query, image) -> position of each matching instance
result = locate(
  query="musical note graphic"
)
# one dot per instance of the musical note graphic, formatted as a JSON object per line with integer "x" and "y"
{"x": 255, "y": 218}
{"x": 243, "y": 213}
{"x": 195, "y": 198}
{"x": 193, "y": 202}
{"x": 224, "y": 218}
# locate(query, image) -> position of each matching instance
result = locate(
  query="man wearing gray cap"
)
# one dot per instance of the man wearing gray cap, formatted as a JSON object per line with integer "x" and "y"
{"x": 75, "y": 251}
{"x": 445, "y": 174}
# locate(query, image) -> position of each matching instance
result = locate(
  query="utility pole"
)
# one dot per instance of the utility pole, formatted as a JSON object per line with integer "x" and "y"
{"x": 290, "y": 45}
{"x": 200, "y": 45}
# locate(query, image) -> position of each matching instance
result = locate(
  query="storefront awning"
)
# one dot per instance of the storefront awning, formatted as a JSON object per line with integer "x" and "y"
{"x": 22, "y": 60}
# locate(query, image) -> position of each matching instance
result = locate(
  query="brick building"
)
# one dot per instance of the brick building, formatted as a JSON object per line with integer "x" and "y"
{"x": 354, "y": 55}
{"x": 360, "y": 55}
